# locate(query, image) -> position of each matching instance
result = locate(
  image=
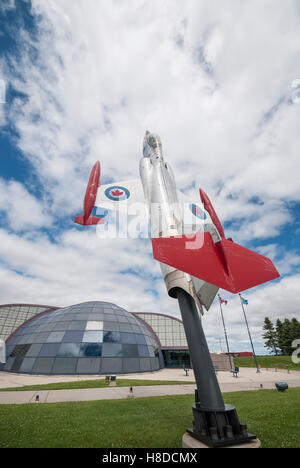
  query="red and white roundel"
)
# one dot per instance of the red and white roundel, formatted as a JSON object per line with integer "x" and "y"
{"x": 197, "y": 211}
{"x": 117, "y": 193}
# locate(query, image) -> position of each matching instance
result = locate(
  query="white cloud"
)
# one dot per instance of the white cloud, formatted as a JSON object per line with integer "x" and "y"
{"x": 22, "y": 210}
{"x": 79, "y": 267}
{"x": 275, "y": 300}
{"x": 202, "y": 76}
{"x": 213, "y": 80}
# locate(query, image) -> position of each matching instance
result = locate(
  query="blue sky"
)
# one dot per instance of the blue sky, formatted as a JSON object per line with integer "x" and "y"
{"x": 83, "y": 83}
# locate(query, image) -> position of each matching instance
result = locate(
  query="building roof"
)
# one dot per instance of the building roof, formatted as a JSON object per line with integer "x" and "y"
{"x": 89, "y": 338}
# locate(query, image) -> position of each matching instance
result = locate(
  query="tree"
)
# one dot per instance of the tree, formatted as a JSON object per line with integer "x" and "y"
{"x": 270, "y": 336}
{"x": 295, "y": 330}
{"x": 286, "y": 341}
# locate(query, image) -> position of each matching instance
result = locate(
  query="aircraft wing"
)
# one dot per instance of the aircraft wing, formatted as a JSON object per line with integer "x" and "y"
{"x": 194, "y": 216}
{"x": 194, "y": 219}
{"x": 122, "y": 196}
{"x": 125, "y": 196}
{"x": 221, "y": 263}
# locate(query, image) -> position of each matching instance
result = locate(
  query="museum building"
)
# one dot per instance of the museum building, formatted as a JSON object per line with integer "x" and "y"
{"x": 89, "y": 338}
{"x": 92, "y": 338}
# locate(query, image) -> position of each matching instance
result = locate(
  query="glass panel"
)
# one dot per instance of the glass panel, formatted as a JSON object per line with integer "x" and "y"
{"x": 82, "y": 316}
{"x": 9, "y": 350}
{"x": 121, "y": 318}
{"x": 88, "y": 365}
{"x": 131, "y": 365}
{"x": 94, "y": 325}
{"x": 143, "y": 351}
{"x": 126, "y": 327}
{"x": 92, "y": 337}
{"x": 61, "y": 326}
{"x": 43, "y": 365}
{"x": 128, "y": 338}
{"x": 130, "y": 350}
{"x": 112, "y": 350}
{"x": 40, "y": 337}
{"x": 27, "y": 364}
{"x": 111, "y": 326}
{"x": 55, "y": 337}
{"x": 132, "y": 320}
{"x": 140, "y": 339}
{"x": 64, "y": 366}
{"x": 154, "y": 363}
{"x": 69, "y": 315}
{"x": 95, "y": 316}
{"x": 77, "y": 325}
{"x": 17, "y": 363}
{"x": 20, "y": 350}
{"x": 14, "y": 340}
{"x": 73, "y": 337}
{"x": 177, "y": 358}
{"x": 30, "y": 338}
{"x": 9, "y": 363}
{"x": 23, "y": 339}
{"x": 148, "y": 340}
{"x": 69, "y": 349}
{"x": 34, "y": 350}
{"x": 109, "y": 317}
{"x": 111, "y": 337}
{"x": 49, "y": 350}
{"x": 145, "y": 364}
{"x": 111, "y": 365}
{"x": 91, "y": 349}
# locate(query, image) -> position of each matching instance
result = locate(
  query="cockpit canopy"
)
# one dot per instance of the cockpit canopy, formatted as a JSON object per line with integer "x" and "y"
{"x": 154, "y": 141}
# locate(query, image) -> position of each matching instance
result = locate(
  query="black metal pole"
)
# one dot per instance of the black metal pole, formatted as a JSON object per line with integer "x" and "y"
{"x": 207, "y": 384}
{"x": 215, "y": 423}
{"x": 225, "y": 332}
{"x": 247, "y": 325}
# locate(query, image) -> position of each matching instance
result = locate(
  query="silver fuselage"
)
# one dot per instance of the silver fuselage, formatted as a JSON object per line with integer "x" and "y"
{"x": 166, "y": 217}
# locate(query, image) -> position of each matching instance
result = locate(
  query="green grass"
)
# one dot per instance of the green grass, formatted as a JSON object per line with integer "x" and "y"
{"x": 156, "y": 422}
{"x": 281, "y": 362}
{"x": 96, "y": 383}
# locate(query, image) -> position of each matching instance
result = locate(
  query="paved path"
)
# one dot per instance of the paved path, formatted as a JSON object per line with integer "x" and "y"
{"x": 91, "y": 394}
{"x": 248, "y": 380}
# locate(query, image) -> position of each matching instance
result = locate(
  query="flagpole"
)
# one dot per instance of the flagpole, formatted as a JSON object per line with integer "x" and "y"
{"x": 254, "y": 355}
{"x": 229, "y": 357}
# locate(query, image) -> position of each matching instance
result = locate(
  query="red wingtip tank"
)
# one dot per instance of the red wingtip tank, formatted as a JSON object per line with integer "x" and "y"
{"x": 90, "y": 198}
{"x": 210, "y": 209}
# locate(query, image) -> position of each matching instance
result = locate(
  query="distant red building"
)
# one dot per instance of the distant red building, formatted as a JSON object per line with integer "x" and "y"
{"x": 242, "y": 354}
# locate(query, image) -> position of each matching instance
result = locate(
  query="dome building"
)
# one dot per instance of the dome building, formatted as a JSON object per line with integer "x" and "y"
{"x": 88, "y": 338}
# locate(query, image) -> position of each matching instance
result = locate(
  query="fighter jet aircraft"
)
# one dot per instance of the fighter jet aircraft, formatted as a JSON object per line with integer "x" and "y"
{"x": 187, "y": 236}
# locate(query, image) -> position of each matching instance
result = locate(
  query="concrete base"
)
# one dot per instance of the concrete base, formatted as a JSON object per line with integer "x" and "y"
{"x": 192, "y": 443}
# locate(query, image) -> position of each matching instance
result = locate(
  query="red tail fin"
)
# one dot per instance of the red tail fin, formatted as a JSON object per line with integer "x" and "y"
{"x": 225, "y": 264}
{"x": 92, "y": 220}
{"x": 214, "y": 217}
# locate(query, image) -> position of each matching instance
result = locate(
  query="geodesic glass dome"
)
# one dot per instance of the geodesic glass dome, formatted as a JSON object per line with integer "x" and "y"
{"x": 88, "y": 338}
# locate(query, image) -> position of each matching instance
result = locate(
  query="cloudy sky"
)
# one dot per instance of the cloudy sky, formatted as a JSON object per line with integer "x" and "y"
{"x": 82, "y": 80}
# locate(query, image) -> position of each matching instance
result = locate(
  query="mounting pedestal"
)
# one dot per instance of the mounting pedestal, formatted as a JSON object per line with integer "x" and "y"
{"x": 215, "y": 424}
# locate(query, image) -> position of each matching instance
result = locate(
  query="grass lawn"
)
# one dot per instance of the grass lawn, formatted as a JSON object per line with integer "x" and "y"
{"x": 96, "y": 383}
{"x": 282, "y": 362}
{"x": 156, "y": 422}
